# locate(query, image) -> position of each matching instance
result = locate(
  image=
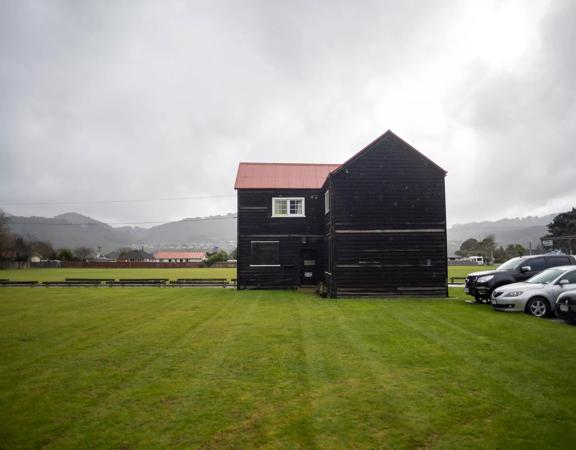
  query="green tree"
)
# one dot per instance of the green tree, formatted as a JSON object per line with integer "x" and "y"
{"x": 473, "y": 247}
{"x": 500, "y": 255}
{"x": 211, "y": 258}
{"x": 469, "y": 244}
{"x": 44, "y": 249}
{"x": 64, "y": 254}
{"x": 83, "y": 253}
{"x": 487, "y": 247}
{"x": 563, "y": 224}
{"x": 4, "y": 234}
{"x": 468, "y": 247}
{"x": 513, "y": 250}
{"x": 22, "y": 249}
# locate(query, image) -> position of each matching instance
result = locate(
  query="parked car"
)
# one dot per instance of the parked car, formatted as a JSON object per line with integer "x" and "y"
{"x": 480, "y": 285}
{"x": 566, "y": 306}
{"x": 537, "y": 295}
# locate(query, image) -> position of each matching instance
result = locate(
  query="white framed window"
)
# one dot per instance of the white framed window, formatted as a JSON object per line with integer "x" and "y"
{"x": 327, "y": 201}
{"x": 288, "y": 207}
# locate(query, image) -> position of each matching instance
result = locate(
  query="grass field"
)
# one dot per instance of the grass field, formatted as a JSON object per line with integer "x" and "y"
{"x": 60, "y": 274}
{"x": 216, "y": 368}
{"x": 462, "y": 271}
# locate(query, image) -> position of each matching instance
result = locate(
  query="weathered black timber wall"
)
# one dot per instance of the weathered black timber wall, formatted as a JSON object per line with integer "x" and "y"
{"x": 329, "y": 239}
{"x": 389, "y": 223}
{"x": 255, "y": 223}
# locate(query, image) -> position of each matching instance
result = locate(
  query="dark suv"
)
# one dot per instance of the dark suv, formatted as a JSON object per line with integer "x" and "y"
{"x": 481, "y": 284}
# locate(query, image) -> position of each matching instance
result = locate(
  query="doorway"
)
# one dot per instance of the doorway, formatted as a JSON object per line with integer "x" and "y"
{"x": 309, "y": 267}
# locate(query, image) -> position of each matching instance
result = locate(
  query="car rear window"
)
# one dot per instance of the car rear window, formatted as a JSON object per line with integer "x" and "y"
{"x": 558, "y": 261}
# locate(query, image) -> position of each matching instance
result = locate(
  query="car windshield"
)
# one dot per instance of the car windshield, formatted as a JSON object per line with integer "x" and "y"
{"x": 510, "y": 264}
{"x": 546, "y": 277}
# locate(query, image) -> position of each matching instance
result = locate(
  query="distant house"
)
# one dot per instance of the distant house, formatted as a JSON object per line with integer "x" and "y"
{"x": 112, "y": 256}
{"x": 35, "y": 257}
{"x": 179, "y": 256}
{"x": 135, "y": 256}
{"x": 373, "y": 226}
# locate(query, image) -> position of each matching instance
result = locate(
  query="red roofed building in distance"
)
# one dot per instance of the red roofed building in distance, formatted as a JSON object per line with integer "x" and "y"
{"x": 180, "y": 256}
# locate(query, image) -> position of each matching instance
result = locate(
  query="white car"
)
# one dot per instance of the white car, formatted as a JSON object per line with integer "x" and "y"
{"x": 537, "y": 295}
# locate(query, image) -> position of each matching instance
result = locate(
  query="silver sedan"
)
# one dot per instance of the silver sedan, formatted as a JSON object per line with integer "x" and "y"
{"x": 537, "y": 295}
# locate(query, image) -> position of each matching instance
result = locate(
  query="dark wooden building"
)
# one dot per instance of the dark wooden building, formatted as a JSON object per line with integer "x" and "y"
{"x": 373, "y": 226}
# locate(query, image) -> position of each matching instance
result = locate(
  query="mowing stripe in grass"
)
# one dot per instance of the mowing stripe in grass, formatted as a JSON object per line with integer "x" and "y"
{"x": 493, "y": 344}
{"x": 387, "y": 366}
{"x": 220, "y": 369}
{"x": 108, "y": 372}
{"x": 83, "y": 340}
{"x": 133, "y": 385}
{"x": 512, "y": 383}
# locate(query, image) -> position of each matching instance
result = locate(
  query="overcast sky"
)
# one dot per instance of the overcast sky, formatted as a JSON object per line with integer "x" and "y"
{"x": 122, "y": 100}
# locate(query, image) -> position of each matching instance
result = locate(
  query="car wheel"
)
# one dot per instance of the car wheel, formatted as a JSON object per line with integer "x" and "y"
{"x": 538, "y": 307}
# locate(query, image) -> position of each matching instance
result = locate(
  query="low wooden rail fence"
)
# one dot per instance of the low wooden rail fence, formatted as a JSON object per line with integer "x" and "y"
{"x": 461, "y": 280}
{"x": 123, "y": 282}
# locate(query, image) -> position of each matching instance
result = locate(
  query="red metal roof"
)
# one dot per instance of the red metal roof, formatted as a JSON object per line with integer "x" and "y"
{"x": 282, "y": 176}
{"x": 179, "y": 255}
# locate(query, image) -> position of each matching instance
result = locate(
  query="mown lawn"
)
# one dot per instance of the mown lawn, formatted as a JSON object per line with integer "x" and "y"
{"x": 172, "y": 274}
{"x": 462, "y": 271}
{"x": 54, "y": 274}
{"x": 217, "y": 368}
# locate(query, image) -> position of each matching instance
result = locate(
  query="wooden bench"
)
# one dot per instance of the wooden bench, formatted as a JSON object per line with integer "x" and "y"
{"x": 457, "y": 278}
{"x": 89, "y": 280}
{"x": 139, "y": 282}
{"x": 233, "y": 282}
{"x": 200, "y": 282}
{"x": 27, "y": 283}
{"x": 67, "y": 283}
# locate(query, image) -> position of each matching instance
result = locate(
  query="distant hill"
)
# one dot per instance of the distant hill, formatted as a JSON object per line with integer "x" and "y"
{"x": 524, "y": 231}
{"x": 72, "y": 230}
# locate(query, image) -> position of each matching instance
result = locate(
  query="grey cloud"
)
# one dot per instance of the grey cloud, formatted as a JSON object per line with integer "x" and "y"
{"x": 124, "y": 99}
{"x": 525, "y": 123}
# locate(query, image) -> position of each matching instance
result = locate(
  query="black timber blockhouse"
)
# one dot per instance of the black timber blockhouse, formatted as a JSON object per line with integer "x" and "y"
{"x": 373, "y": 226}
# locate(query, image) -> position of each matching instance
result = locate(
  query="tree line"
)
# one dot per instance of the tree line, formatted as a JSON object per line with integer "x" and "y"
{"x": 563, "y": 225}
{"x": 19, "y": 249}
{"x": 489, "y": 250}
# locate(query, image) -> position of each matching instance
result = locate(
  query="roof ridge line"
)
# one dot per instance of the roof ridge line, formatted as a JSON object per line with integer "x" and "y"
{"x": 290, "y": 164}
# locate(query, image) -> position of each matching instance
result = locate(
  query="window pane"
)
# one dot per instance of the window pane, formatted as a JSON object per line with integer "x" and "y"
{"x": 536, "y": 264}
{"x": 296, "y": 207}
{"x": 571, "y": 277}
{"x": 265, "y": 253}
{"x": 280, "y": 206}
{"x": 299, "y": 206}
{"x": 553, "y": 262}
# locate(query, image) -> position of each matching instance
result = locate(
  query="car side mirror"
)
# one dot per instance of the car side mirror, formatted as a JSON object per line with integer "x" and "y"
{"x": 525, "y": 269}
{"x": 563, "y": 282}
